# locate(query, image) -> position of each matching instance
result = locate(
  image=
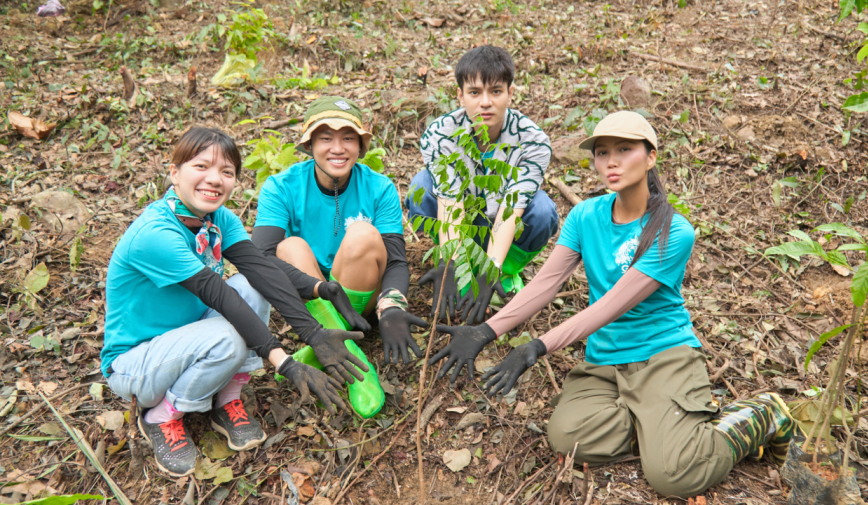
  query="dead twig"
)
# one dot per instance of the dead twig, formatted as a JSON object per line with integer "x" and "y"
{"x": 137, "y": 462}
{"x": 667, "y": 61}
{"x": 424, "y": 392}
{"x": 587, "y": 487}
{"x": 191, "y": 82}
{"x": 279, "y": 123}
{"x": 371, "y": 465}
{"x": 36, "y": 409}
{"x": 565, "y": 190}
{"x": 429, "y": 411}
{"x": 825, "y": 33}
{"x": 528, "y": 481}
{"x": 719, "y": 373}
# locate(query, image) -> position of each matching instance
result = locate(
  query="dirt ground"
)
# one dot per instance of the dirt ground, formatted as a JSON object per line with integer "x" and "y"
{"x": 753, "y": 144}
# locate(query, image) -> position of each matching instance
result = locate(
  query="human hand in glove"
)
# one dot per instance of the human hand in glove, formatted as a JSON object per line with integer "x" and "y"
{"x": 395, "y": 331}
{"x": 467, "y": 342}
{"x": 474, "y": 307}
{"x": 332, "y": 353}
{"x": 333, "y": 292}
{"x": 450, "y": 293}
{"x": 307, "y": 378}
{"x": 502, "y": 377}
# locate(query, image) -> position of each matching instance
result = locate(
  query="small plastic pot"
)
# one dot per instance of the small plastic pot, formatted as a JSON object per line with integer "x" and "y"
{"x": 808, "y": 488}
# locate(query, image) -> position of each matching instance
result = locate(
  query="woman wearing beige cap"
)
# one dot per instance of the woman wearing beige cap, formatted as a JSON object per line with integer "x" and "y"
{"x": 644, "y": 378}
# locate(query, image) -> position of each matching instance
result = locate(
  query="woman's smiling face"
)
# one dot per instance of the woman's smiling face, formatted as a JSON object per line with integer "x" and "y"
{"x": 622, "y": 163}
{"x": 205, "y": 182}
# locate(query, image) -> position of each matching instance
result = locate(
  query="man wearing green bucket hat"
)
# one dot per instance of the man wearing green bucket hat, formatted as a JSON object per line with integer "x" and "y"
{"x": 340, "y": 224}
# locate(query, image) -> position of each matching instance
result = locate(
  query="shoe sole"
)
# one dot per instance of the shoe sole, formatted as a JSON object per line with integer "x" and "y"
{"x": 161, "y": 467}
{"x": 248, "y": 445}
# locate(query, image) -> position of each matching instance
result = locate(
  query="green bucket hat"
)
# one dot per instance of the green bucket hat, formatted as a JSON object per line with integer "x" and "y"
{"x": 335, "y": 112}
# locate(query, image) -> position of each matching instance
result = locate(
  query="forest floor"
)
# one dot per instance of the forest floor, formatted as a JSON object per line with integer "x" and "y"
{"x": 753, "y": 144}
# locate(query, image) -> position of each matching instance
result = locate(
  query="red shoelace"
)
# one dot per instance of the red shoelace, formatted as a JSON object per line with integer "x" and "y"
{"x": 174, "y": 433}
{"x": 236, "y": 412}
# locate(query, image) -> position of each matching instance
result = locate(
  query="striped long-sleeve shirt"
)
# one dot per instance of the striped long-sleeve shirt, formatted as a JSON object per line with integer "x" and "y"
{"x": 529, "y": 150}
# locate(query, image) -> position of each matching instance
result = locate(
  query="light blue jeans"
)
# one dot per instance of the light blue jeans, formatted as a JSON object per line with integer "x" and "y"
{"x": 191, "y": 364}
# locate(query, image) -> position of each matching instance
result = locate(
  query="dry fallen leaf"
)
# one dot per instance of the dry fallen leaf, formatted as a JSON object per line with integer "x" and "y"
{"x": 841, "y": 270}
{"x": 306, "y": 431}
{"x": 457, "y": 460}
{"x": 112, "y": 420}
{"x": 434, "y": 22}
{"x": 33, "y": 128}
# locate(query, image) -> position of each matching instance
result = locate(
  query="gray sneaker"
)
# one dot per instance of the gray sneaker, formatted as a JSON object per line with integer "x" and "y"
{"x": 232, "y": 420}
{"x": 174, "y": 451}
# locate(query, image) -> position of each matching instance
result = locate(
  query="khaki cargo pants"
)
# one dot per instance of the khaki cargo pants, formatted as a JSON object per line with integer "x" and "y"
{"x": 666, "y": 400}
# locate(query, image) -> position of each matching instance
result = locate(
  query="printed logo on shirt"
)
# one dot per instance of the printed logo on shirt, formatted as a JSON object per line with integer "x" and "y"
{"x": 361, "y": 217}
{"x": 625, "y": 253}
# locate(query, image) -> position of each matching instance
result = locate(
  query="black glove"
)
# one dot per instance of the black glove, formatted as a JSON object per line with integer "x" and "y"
{"x": 450, "y": 293}
{"x": 307, "y": 378}
{"x": 395, "y": 332}
{"x": 503, "y": 376}
{"x": 475, "y": 307}
{"x": 332, "y": 353}
{"x": 333, "y": 292}
{"x": 467, "y": 342}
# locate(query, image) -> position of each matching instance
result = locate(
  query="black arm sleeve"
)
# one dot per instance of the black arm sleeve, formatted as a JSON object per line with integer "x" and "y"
{"x": 273, "y": 285}
{"x": 210, "y": 288}
{"x": 397, "y": 274}
{"x": 267, "y": 238}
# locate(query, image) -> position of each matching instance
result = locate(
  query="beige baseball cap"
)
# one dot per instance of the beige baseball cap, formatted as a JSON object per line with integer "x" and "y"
{"x": 623, "y": 124}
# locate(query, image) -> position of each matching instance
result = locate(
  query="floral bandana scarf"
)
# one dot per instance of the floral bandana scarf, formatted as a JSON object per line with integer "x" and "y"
{"x": 209, "y": 234}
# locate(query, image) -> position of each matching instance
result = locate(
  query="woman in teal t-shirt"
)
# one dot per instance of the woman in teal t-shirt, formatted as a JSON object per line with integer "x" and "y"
{"x": 644, "y": 383}
{"x": 181, "y": 339}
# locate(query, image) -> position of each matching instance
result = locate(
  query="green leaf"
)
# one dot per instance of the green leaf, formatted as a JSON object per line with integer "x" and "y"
{"x": 67, "y": 499}
{"x": 37, "y": 341}
{"x": 857, "y": 103}
{"x": 859, "y": 286}
{"x": 853, "y": 247}
{"x": 524, "y": 338}
{"x": 37, "y": 279}
{"x": 223, "y": 476}
{"x": 841, "y": 230}
{"x": 794, "y": 250}
{"x": 573, "y": 117}
{"x": 776, "y": 193}
{"x": 790, "y": 182}
{"x": 822, "y": 340}
{"x": 286, "y": 158}
{"x": 214, "y": 446}
{"x": 847, "y": 7}
{"x": 206, "y": 469}
{"x": 848, "y": 203}
{"x": 75, "y": 251}
{"x": 34, "y": 438}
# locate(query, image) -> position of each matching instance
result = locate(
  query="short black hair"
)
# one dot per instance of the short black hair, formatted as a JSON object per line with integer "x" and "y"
{"x": 489, "y": 63}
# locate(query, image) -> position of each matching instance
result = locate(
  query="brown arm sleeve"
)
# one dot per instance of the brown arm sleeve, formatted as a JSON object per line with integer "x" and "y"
{"x": 539, "y": 292}
{"x": 629, "y": 291}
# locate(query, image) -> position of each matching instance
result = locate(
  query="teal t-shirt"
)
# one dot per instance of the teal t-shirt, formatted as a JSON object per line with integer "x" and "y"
{"x": 293, "y": 201}
{"x": 660, "y": 322}
{"x": 143, "y": 297}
